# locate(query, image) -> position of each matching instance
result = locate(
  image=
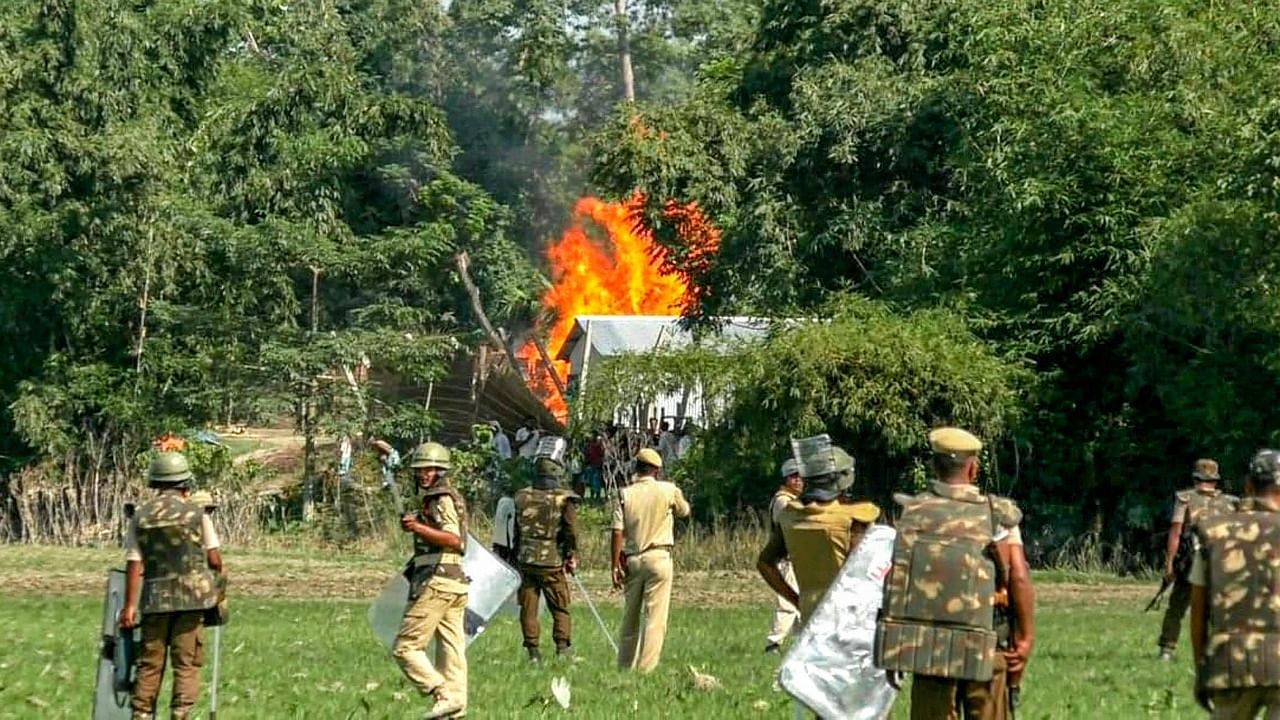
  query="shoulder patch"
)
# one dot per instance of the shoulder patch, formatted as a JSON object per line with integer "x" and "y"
{"x": 1007, "y": 512}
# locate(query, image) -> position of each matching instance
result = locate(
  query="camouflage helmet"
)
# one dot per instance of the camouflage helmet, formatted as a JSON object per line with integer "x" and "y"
{"x": 844, "y": 468}
{"x": 789, "y": 467}
{"x": 430, "y": 455}
{"x": 1205, "y": 470}
{"x": 1264, "y": 469}
{"x": 169, "y": 468}
{"x": 547, "y": 467}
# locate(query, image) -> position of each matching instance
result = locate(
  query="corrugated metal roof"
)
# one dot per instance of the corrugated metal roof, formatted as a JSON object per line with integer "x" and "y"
{"x": 616, "y": 334}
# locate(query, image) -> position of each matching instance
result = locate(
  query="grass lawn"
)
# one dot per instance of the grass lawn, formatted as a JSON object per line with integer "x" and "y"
{"x": 288, "y": 656}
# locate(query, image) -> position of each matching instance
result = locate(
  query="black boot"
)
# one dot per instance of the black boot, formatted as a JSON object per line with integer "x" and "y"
{"x": 564, "y": 651}
{"x": 535, "y": 655}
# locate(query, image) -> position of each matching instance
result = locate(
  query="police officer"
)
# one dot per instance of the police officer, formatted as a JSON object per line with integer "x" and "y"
{"x": 643, "y": 535}
{"x": 546, "y": 547}
{"x": 172, "y": 563}
{"x": 817, "y": 530}
{"x": 1194, "y": 505}
{"x": 784, "y": 613}
{"x": 1235, "y": 628}
{"x": 957, "y": 596}
{"x": 437, "y": 587}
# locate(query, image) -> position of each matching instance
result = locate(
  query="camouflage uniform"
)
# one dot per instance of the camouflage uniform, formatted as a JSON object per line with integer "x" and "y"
{"x": 1238, "y": 566}
{"x": 171, "y": 537}
{"x": 546, "y": 537}
{"x": 1191, "y": 506}
{"x": 438, "y": 591}
{"x": 939, "y": 620}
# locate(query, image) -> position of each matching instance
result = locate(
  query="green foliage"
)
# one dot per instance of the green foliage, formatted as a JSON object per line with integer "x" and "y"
{"x": 1091, "y": 184}
{"x": 874, "y": 380}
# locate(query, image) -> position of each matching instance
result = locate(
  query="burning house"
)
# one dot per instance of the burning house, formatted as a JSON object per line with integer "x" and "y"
{"x": 594, "y": 338}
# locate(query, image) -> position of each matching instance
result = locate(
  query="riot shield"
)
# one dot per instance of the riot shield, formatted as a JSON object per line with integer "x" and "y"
{"x": 831, "y": 668}
{"x": 492, "y": 582}
{"x": 117, "y": 666}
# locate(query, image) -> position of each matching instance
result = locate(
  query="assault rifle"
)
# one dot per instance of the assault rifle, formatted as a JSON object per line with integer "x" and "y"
{"x": 1187, "y": 543}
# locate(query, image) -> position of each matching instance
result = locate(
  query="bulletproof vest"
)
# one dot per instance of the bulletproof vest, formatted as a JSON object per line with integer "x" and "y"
{"x": 938, "y": 614}
{"x": 819, "y": 536}
{"x": 538, "y": 513}
{"x": 1202, "y": 506}
{"x": 176, "y": 574}
{"x": 1243, "y": 581}
{"x": 430, "y": 560}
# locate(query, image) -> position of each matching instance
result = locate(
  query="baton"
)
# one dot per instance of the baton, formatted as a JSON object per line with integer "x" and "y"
{"x": 213, "y": 687}
{"x": 603, "y": 628}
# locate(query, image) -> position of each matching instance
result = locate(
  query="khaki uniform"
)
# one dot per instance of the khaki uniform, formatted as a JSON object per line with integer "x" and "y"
{"x": 1191, "y": 507}
{"x": 784, "y": 613}
{"x": 817, "y": 537}
{"x": 546, "y": 536}
{"x": 1238, "y": 566}
{"x": 957, "y": 581}
{"x": 437, "y": 604}
{"x": 171, "y": 537}
{"x": 645, "y": 514}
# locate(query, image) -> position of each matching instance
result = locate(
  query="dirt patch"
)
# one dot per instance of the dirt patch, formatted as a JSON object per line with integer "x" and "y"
{"x": 59, "y": 571}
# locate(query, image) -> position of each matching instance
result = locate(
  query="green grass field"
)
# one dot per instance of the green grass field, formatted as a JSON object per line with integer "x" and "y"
{"x": 286, "y": 656}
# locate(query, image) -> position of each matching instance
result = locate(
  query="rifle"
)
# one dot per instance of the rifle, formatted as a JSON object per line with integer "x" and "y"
{"x": 1155, "y": 600}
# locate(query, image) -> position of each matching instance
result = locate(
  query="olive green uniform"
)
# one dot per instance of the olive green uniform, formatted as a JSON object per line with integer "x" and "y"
{"x": 546, "y": 537}
{"x": 817, "y": 537}
{"x": 939, "y": 617}
{"x": 645, "y": 514}
{"x": 1238, "y": 566}
{"x": 171, "y": 537}
{"x": 437, "y": 604}
{"x": 1192, "y": 506}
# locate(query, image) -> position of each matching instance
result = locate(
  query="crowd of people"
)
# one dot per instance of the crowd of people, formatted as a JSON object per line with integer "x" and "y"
{"x": 958, "y": 602}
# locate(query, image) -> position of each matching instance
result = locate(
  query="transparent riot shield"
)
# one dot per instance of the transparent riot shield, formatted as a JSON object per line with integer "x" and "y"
{"x": 492, "y": 582}
{"x": 116, "y": 656}
{"x": 831, "y": 668}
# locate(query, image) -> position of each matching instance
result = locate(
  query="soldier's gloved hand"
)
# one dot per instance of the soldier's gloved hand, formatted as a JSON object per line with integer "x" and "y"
{"x": 1168, "y": 571}
{"x": 571, "y": 565}
{"x": 128, "y": 617}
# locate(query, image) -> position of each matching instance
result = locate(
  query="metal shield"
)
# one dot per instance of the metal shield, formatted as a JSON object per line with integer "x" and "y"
{"x": 831, "y": 667}
{"x": 492, "y": 582}
{"x": 115, "y": 657}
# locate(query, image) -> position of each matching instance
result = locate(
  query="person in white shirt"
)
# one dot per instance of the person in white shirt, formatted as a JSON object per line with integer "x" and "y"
{"x": 504, "y": 526}
{"x": 501, "y": 444}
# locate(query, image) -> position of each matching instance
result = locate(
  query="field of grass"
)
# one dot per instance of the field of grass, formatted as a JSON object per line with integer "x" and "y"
{"x": 299, "y": 647}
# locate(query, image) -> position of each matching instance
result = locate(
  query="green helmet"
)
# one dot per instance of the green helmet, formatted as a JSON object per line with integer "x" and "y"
{"x": 430, "y": 455}
{"x": 546, "y": 467}
{"x": 844, "y": 468}
{"x": 169, "y": 468}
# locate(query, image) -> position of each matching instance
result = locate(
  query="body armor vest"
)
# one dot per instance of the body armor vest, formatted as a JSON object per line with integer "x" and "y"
{"x": 1203, "y": 506}
{"x": 819, "y": 536}
{"x": 938, "y": 614}
{"x": 538, "y": 513}
{"x": 430, "y": 560}
{"x": 176, "y": 574}
{"x": 1243, "y": 582}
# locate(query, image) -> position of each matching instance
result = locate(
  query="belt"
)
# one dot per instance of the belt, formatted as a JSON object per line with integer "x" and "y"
{"x": 652, "y": 548}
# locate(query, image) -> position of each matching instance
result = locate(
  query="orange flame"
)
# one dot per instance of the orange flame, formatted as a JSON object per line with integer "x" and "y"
{"x": 631, "y": 275}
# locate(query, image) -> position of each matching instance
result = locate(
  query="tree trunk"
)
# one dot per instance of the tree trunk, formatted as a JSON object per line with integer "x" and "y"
{"x": 308, "y": 422}
{"x": 624, "y": 50}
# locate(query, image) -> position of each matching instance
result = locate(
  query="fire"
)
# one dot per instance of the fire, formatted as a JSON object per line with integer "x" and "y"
{"x": 631, "y": 275}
